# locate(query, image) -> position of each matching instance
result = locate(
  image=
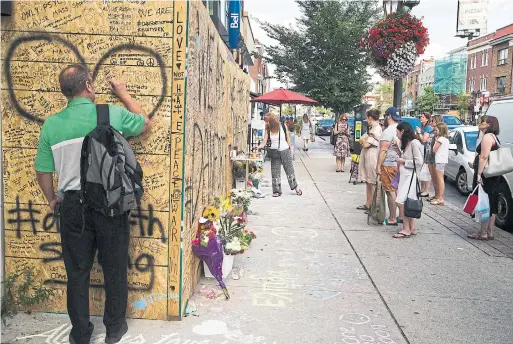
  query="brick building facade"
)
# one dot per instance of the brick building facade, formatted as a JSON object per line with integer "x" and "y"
{"x": 479, "y": 64}
{"x": 502, "y": 62}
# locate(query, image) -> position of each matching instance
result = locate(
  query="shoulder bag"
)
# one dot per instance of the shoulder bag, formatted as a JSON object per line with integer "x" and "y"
{"x": 333, "y": 138}
{"x": 273, "y": 153}
{"x": 413, "y": 207}
{"x": 500, "y": 161}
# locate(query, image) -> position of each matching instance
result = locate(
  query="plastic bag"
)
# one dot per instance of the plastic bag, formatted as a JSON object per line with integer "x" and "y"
{"x": 482, "y": 210}
{"x": 212, "y": 255}
{"x": 471, "y": 203}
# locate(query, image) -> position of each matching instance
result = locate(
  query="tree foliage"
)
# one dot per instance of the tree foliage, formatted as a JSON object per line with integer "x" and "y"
{"x": 385, "y": 92}
{"x": 463, "y": 105}
{"x": 320, "y": 56}
{"x": 428, "y": 100}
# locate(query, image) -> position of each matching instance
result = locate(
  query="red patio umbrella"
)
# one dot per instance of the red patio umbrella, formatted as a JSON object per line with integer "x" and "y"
{"x": 283, "y": 96}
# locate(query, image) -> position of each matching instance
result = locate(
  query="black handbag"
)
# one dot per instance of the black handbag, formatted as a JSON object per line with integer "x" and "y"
{"x": 413, "y": 207}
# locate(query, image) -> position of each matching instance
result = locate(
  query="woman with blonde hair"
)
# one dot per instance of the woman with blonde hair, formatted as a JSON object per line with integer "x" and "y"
{"x": 441, "y": 150}
{"x": 306, "y": 131}
{"x": 279, "y": 153}
{"x": 430, "y": 155}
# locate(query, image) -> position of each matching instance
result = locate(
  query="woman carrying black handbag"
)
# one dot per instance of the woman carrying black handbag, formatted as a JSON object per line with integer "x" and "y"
{"x": 408, "y": 193}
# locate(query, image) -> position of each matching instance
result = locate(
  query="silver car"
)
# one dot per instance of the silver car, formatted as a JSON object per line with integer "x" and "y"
{"x": 462, "y": 152}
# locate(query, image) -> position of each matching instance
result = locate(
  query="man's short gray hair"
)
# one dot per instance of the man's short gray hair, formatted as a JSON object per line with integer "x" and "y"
{"x": 73, "y": 79}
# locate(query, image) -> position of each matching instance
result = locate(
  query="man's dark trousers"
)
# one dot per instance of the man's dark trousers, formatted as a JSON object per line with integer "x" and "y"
{"x": 82, "y": 232}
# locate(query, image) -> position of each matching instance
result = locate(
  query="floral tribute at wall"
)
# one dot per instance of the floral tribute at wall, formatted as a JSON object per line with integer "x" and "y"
{"x": 222, "y": 232}
{"x": 395, "y": 43}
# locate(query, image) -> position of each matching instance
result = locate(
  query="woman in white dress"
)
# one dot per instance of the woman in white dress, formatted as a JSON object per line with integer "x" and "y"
{"x": 306, "y": 131}
{"x": 410, "y": 166}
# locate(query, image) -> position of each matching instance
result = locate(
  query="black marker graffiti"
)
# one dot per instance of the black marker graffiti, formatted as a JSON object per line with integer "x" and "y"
{"x": 20, "y": 218}
{"x": 53, "y": 39}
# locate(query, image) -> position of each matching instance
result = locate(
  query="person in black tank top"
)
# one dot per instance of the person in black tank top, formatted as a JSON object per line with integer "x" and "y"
{"x": 491, "y": 185}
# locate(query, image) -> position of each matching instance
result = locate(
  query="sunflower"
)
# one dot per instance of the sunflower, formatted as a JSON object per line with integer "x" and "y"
{"x": 211, "y": 213}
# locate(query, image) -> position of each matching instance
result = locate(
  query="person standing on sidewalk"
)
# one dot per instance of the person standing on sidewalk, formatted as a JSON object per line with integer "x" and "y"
{"x": 279, "y": 153}
{"x": 423, "y": 137}
{"x": 430, "y": 155}
{"x": 491, "y": 185}
{"x": 410, "y": 165}
{"x": 341, "y": 148}
{"x": 85, "y": 230}
{"x": 369, "y": 156}
{"x": 306, "y": 131}
{"x": 387, "y": 165}
{"x": 441, "y": 150}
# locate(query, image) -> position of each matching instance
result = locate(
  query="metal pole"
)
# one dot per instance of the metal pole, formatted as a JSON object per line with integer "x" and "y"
{"x": 398, "y": 93}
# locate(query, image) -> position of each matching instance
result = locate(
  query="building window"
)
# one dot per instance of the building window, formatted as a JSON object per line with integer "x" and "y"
{"x": 484, "y": 58}
{"x": 503, "y": 56}
{"x": 484, "y": 84}
{"x": 473, "y": 61}
{"x": 472, "y": 85}
{"x": 501, "y": 84}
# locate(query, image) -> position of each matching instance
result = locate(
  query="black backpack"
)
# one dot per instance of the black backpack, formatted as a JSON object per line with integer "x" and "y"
{"x": 110, "y": 176}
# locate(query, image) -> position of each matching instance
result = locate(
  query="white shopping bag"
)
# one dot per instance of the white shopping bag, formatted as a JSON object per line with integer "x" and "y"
{"x": 482, "y": 211}
{"x": 425, "y": 175}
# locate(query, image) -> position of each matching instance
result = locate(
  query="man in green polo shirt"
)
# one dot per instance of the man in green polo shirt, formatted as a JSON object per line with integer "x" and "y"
{"x": 83, "y": 231}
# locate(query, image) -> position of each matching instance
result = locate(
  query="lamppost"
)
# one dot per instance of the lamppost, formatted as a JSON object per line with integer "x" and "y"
{"x": 393, "y": 6}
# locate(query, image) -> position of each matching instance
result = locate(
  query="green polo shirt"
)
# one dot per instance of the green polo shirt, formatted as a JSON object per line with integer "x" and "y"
{"x": 62, "y": 134}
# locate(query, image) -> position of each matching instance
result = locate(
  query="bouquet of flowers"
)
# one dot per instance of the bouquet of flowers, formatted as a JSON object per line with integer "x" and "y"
{"x": 394, "y": 44}
{"x": 242, "y": 198}
{"x": 208, "y": 247}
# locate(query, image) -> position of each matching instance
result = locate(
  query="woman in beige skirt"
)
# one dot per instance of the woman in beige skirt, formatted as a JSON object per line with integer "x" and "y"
{"x": 369, "y": 156}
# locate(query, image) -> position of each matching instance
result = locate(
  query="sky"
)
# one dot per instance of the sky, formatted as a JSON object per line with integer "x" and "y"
{"x": 439, "y": 18}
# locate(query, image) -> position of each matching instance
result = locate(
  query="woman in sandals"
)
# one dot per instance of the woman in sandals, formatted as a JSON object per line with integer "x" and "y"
{"x": 369, "y": 156}
{"x": 410, "y": 164}
{"x": 441, "y": 150}
{"x": 341, "y": 149}
{"x": 423, "y": 137}
{"x": 491, "y": 185}
{"x": 306, "y": 131}
{"x": 430, "y": 155}
{"x": 279, "y": 153}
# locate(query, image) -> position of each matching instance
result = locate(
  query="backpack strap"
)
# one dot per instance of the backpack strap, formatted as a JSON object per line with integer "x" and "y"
{"x": 102, "y": 114}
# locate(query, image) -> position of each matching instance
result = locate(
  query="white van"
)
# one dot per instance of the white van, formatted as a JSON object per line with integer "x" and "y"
{"x": 502, "y": 108}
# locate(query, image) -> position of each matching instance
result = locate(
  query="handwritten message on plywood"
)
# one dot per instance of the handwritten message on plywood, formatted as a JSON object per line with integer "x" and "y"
{"x": 132, "y": 41}
{"x": 217, "y": 100}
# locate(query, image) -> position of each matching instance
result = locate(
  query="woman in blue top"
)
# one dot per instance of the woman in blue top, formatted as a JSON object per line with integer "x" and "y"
{"x": 423, "y": 137}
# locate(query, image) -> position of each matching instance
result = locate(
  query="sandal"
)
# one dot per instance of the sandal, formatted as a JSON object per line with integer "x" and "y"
{"x": 299, "y": 192}
{"x": 437, "y": 202}
{"x": 424, "y": 194}
{"x": 388, "y": 223}
{"x": 431, "y": 199}
{"x": 362, "y": 207}
{"x": 478, "y": 236}
{"x": 276, "y": 195}
{"x": 400, "y": 235}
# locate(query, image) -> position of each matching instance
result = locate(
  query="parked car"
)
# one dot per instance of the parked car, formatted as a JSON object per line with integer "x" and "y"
{"x": 452, "y": 121}
{"x": 414, "y": 122}
{"x": 462, "y": 151}
{"x": 502, "y": 108}
{"x": 324, "y": 127}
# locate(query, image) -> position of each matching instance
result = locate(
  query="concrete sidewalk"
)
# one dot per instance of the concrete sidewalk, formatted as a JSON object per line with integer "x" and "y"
{"x": 318, "y": 273}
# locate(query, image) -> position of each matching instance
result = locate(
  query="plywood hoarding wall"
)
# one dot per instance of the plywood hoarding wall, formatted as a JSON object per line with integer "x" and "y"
{"x": 133, "y": 42}
{"x": 217, "y": 100}
{"x": 200, "y": 111}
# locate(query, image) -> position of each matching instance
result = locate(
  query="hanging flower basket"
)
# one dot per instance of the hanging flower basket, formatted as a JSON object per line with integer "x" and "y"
{"x": 395, "y": 43}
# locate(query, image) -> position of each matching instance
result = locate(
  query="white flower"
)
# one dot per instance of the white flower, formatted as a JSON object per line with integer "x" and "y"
{"x": 400, "y": 63}
{"x": 234, "y": 245}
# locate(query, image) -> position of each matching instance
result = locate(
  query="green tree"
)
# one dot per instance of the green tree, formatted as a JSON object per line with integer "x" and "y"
{"x": 463, "y": 106}
{"x": 321, "y": 57}
{"x": 385, "y": 92}
{"x": 428, "y": 100}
